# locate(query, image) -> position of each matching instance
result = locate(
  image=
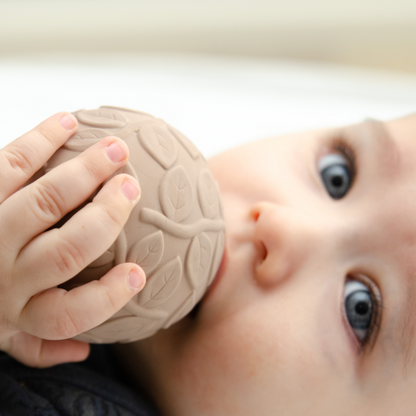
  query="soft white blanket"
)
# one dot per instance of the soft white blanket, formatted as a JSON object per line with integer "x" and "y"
{"x": 217, "y": 102}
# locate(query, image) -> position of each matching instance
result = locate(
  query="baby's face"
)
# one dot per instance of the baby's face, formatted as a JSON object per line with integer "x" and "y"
{"x": 313, "y": 311}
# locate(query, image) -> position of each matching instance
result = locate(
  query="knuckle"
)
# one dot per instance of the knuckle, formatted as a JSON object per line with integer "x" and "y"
{"x": 65, "y": 326}
{"x": 68, "y": 258}
{"x": 114, "y": 216}
{"x": 47, "y": 202}
{"x": 41, "y": 134}
{"x": 92, "y": 168}
{"x": 20, "y": 159}
{"x": 108, "y": 300}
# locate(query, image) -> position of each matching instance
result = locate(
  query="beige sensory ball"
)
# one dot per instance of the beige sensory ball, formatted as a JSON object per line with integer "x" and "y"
{"x": 175, "y": 232}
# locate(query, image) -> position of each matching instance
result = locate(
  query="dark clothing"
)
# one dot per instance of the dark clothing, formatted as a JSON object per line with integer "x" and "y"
{"x": 95, "y": 387}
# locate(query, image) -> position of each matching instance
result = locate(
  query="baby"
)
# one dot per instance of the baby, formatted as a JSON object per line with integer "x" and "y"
{"x": 311, "y": 312}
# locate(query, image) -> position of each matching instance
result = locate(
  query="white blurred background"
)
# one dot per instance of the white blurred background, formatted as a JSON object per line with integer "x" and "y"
{"x": 223, "y": 72}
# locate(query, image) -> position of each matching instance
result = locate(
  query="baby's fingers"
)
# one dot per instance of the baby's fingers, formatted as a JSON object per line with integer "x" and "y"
{"x": 41, "y": 353}
{"x": 23, "y": 157}
{"x": 59, "y": 254}
{"x": 57, "y": 314}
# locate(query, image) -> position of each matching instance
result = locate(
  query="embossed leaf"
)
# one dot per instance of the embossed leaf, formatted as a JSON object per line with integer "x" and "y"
{"x": 198, "y": 260}
{"x": 129, "y": 110}
{"x": 162, "y": 285}
{"x": 102, "y": 117}
{"x": 119, "y": 328}
{"x": 159, "y": 143}
{"x": 133, "y": 308}
{"x": 87, "y": 134}
{"x": 219, "y": 252}
{"x": 208, "y": 194}
{"x": 185, "y": 307}
{"x": 176, "y": 194}
{"x": 148, "y": 252}
{"x": 185, "y": 142}
{"x": 84, "y": 139}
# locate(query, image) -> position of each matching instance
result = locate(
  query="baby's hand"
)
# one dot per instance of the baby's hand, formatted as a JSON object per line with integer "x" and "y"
{"x": 37, "y": 317}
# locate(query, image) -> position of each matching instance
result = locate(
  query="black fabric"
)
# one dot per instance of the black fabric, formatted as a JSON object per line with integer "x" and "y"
{"x": 92, "y": 388}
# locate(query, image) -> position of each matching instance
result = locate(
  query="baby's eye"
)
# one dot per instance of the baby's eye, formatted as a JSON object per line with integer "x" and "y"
{"x": 336, "y": 174}
{"x": 358, "y": 302}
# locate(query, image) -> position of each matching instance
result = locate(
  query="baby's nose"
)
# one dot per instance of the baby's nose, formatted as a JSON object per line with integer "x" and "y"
{"x": 285, "y": 238}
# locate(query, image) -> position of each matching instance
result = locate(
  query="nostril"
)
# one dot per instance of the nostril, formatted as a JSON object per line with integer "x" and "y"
{"x": 255, "y": 214}
{"x": 262, "y": 251}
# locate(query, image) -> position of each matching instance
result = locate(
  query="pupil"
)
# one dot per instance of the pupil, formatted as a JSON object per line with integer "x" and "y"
{"x": 337, "y": 181}
{"x": 361, "y": 308}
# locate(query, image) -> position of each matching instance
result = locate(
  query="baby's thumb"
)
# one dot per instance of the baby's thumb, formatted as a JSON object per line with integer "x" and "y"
{"x": 68, "y": 314}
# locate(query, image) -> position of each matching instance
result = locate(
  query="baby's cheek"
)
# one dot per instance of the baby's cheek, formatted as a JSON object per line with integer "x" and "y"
{"x": 254, "y": 358}
{"x": 233, "y": 356}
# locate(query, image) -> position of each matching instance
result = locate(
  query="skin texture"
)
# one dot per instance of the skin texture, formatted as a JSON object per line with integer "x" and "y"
{"x": 272, "y": 336}
{"x": 37, "y": 317}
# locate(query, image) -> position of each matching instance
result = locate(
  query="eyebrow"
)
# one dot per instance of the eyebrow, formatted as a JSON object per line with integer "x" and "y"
{"x": 372, "y": 134}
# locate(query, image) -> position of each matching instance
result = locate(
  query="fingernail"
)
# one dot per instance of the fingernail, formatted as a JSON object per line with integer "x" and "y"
{"x": 68, "y": 121}
{"x": 130, "y": 190}
{"x": 116, "y": 152}
{"x": 135, "y": 279}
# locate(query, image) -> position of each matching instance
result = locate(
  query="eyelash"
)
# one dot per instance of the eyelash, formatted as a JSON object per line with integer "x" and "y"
{"x": 368, "y": 341}
{"x": 340, "y": 145}
{"x": 346, "y": 149}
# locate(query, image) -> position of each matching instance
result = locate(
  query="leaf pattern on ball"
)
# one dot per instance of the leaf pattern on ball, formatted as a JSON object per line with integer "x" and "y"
{"x": 129, "y": 110}
{"x": 102, "y": 117}
{"x": 133, "y": 308}
{"x": 198, "y": 260}
{"x": 219, "y": 252}
{"x": 162, "y": 284}
{"x": 148, "y": 252}
{"x": 176, "y": 194}
{"x": 84, "y": 139}
{"x": 159, "y": 143}
{"x": 185, "y": 142}
{"x": 119, "y": 328}
{"x": 184, "y": 308}
{"x": 208, "y": 194}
